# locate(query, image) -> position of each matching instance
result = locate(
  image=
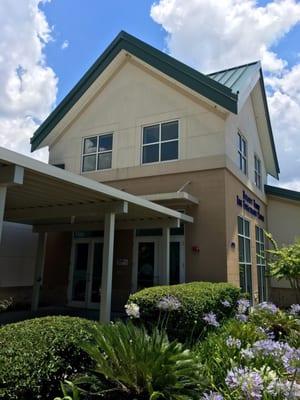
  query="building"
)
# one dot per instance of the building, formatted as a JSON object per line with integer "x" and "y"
{"x": 194, "y": 149}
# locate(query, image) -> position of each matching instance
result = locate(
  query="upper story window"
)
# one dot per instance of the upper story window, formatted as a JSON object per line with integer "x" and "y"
{"x": 97, "y": 152}
{"x": 257, "y": 172}
{"x": 160, "y": 142}
{"x": 242, "y": 152}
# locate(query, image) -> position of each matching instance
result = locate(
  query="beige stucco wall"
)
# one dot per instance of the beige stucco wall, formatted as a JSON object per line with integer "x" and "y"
{"x": 284, "y": 224}
{"x": 17, "y": 255}
{"x": 245, "y": 123}
{"x": 131, "y": 99}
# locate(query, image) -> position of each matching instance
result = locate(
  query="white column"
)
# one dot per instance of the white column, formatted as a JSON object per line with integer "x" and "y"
{"x": 2, "y": 207}
{"x": 164, "y": 278}
{"x": 39, "y": 269}
{"x": 107, "y": 267}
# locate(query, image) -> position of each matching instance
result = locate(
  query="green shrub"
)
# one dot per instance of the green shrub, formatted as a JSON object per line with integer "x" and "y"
{"x": 35, "y": 355}
{"x": 132, "y": 364}
{"x": 196, "y": 299}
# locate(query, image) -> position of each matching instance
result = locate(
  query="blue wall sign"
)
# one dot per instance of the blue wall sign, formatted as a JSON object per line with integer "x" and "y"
{"x": 250, "y": 205}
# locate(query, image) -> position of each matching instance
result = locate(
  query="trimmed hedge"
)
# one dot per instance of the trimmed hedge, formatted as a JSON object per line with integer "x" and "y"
{"x": 196, "y": 299}
{"x": 36, "y": 354}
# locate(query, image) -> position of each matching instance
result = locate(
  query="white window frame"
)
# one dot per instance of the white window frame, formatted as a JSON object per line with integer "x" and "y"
{"x": 242, "y": 156}
{"x": 160, "y": 142}
{"x": 261, "y": 260}
{"x": 97, "y": 152}
{"x": 247, "y": 265}
{"x": 257, "y": 172}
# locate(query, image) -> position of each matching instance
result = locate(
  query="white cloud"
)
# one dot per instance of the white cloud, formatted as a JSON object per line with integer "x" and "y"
{"x": 65, "y": 45}
{"x": 28, "y": 85}
{"x": 212, "y": 35}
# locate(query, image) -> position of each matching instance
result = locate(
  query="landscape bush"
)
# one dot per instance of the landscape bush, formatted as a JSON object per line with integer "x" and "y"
{"x": 131, "y": 363}
{"x": 35, "y": 355}
{"x": 196, "y": 299}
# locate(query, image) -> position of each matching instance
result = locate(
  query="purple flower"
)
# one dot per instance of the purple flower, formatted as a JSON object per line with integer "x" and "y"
{"x": 211, "y": 319}
{"x": 212, "y": 396}
{"x": 284, "y": 389}
{"x": 295, "y": 309}
{"x": 248, "y": 382}
{"x": 226, "y": 303}
{"x": 169, "y": 303}
{"x": 241, "y": 317}
{"x": 291, "y": 361}
{"x": 243, "y": 306}
{"x": 233, "y": 342}
{"x": 268, "y": 307}
{"x": 267, "y": 347}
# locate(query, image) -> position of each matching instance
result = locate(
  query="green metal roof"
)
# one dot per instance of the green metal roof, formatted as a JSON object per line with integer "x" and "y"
{"x": 281, "y": 192}
{"x": 189, "y": 77}
{"x": 236, "y": 78}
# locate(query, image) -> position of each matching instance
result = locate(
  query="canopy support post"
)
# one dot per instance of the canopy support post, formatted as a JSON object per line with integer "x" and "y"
{"x": 107, "y": 269}
{"x": 164, "y": 278}
{"x": 39, "y": 269}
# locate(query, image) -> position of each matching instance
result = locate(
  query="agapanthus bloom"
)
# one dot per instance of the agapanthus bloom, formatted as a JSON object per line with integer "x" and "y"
{"x": 212, "y": 396}
{"x": 226, "y": 303}
{"x": 268, "y": 307}
{"x": 247, "y": 353}
{"x": 241, "y": 317}
{"x": 248, "y": 382}
{"x": 132, "y": 310}
{"x": 284, "y": 389}
{"x": 291, "y": 361}
{"x": 211, "y": 319}
{"x": 243, "y": 305}
{"x": 295, "y": 309}
{"x": 233, "y": 342}
{"x": 169, "y": 303}
{"x": 267, "y": 347}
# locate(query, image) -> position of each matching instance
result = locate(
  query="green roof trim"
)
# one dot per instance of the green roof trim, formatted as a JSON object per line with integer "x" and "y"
{"x": 175, "y": 69}
{"x": 281, "y": 192}
{"x": 236, "y": 78}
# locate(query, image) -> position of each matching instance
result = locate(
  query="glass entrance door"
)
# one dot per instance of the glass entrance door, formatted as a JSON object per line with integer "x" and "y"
{"x": 147, "y": 256}
{"x": 86, "y": 271}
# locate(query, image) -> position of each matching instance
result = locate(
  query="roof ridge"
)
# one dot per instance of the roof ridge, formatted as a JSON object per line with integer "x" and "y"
{"x": 232, "y": 68}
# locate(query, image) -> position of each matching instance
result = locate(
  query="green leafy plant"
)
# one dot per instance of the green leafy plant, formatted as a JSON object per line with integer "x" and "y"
{"x": 196, "y": 299}
{"x": 35, "y": 355}
{"x": 284, "y": 263}
{"x": 132, "y": 364}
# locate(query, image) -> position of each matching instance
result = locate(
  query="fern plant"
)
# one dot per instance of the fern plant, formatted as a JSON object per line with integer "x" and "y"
{"x": 132, "y": 364}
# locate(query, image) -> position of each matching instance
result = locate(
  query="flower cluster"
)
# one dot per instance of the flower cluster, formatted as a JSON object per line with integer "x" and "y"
{"x": 169, "y": 303}
{"x": 233, "y": 342}
{"x": 211, "y": 319}
{"x": 267, "y": 307}
{"x": 285, "y": 389}
{"x": 291, "y": 361}
{"x": 243, "y": 306}
{"x": 226, "y": 303}
{"x": 248, "y": 382}
{"x": 212, "y": 396}
{"x": 295, "y": 309}
{"x": 132, "y": 310}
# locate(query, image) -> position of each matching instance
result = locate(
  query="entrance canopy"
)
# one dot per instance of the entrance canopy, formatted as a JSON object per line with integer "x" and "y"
{"x": 52, "y": 199}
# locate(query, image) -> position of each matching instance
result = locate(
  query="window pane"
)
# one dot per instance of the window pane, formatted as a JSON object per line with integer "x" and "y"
{"x": 150, "y": 153}
{"x": 169, "y": 130}
{"x": 240, "y": 226}
{"x": 89, "y": 163}
{"x": 169, "y": 151}
{"x": 249, "y": 279}
{"x": 247, "y": 232}
{"x": 248, "y": 250}
{"x": 242, "y": 278}
{"x": 241, "y": 250}
{"x": 244, "y": 144}
{"x": 151, "y": 134}
{"x": 90, "y": 145}
{"x": 104, "y": 161}
{"x": 105, "y": 143}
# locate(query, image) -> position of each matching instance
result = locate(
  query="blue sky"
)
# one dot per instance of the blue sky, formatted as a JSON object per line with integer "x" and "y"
{"x": 89, "y": 29}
